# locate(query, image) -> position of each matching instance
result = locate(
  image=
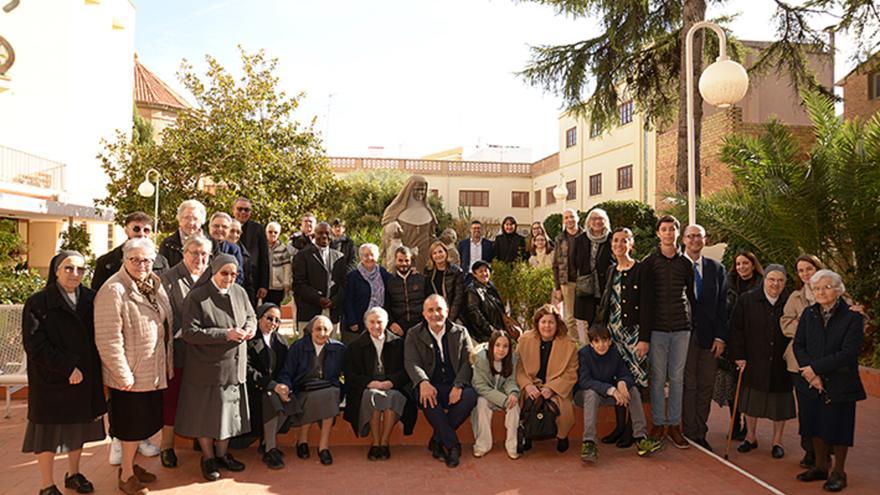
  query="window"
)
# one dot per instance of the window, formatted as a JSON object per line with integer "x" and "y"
{"x": 519, "y": 199}
{"x": 595, "y": 130}
{"x": 571, "y": 187}
{"x": 109, "y": 236}
{"x": 873, "y": 85}
{"x": 551, "y": 200}
{"x": 595, "y": 184}
{"x": 625, "y": 177}
{"x": 538, "y": 197}
{"x": 626, "y": 112}
{"x": 473, "y": 198}
{"x": 571, "y": 137}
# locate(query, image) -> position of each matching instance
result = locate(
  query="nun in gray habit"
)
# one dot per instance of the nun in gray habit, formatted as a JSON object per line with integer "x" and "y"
{"x": 218, "y": 320}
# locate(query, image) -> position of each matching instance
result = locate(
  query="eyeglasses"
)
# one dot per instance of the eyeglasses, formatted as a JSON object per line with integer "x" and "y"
{"x": 244, "y": 209}
{"x": 272, "y": 319}
{"x": 819, "y": 288}
{"x": 137, "y": 229}
{"x": 200, "y": 254}
{"x": 141, "y": 261}
{"x": 74, "y": 269}
{"x": 227, "y": 273}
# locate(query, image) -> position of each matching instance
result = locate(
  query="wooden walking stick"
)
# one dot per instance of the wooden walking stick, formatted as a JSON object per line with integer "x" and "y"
{"x": 735, "y": 412}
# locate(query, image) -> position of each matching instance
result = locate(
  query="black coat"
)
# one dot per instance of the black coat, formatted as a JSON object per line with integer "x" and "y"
{"x": 249, "y": 269}
{"x": 172, "y": 248}
{"x": 832, "y": 350}
{"x": 311, "y": 280}
{"x": 107, "y": 265}
{"x": 510, "y": 248}
{"x": 253, "y": 237}
{"x": 450, "y": 285}
{"x": 756, "y": 337}
{"x": 634, "y": 302}
{"x": 404, "y": 299}
{"x": 58, "y": 339}
{"x": 345, "y": 245}
{"x": 360, "y": 361}
{"x": 709, "y": 311}
{"x": 263, "y": 366}
{"x": 484, "y": 311}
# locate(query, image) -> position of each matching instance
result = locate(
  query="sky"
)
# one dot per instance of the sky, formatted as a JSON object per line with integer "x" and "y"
{"x": 411, "y": 76}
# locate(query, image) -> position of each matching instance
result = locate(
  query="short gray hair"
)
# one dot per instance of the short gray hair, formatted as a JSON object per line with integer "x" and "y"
{"x": 195, "y": 205}
{"x": 836, "y": 280}
{"x": 602, "y": 213}
{"x": 234, "y": 222}
{"x": 376, "y": 310}
{"x": 199, "y": 239}
{"x": 573, "y": 211}
{"x": 315, "y": 319}
{"x": 223, "y": 215}
{"x": 369, "y": 245}
{"x": 138, "y": 243}
{"x": 275, "y": 224}
{"x": 435, "y": 297}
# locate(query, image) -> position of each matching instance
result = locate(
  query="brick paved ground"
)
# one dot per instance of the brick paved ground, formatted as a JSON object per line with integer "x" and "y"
{"x": 411, "y": 469}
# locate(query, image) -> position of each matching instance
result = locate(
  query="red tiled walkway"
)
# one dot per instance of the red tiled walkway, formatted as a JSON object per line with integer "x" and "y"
{"x": 412, "y": 470}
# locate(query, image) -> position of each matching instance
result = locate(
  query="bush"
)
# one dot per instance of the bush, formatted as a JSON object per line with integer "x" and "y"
{"x": 17, "y": 284}
{"x": 523, "y": 288}
{"x": 366, "y": 234}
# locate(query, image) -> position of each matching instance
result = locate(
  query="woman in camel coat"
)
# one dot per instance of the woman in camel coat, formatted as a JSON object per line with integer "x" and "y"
{"x": 547, "y": 365}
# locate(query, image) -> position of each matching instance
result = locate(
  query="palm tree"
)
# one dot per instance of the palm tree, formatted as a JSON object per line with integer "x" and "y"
{"x": 786, "y": 202}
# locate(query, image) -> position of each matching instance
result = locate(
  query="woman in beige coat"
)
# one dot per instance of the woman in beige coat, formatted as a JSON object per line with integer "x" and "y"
{"x": 547, "y": 366}
{"x": 133, "y": 323}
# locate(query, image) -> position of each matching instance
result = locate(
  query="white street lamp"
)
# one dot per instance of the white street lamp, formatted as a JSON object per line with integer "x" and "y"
{"x": 560, "y": 193}
{"x": 147, "y": 189}
{"x": 722, "y": 84}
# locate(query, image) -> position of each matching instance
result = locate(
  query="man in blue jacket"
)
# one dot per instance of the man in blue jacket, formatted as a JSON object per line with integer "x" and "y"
{"x": 708, "y": 336}
{"x": 475, "y": 248}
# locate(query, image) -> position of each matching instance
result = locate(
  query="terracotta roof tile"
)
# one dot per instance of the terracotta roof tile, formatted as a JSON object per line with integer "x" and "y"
{"x": 149, "y": 90}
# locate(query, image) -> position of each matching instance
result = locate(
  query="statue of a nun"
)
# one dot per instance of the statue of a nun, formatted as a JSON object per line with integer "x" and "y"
{"x": 417, "y": 221}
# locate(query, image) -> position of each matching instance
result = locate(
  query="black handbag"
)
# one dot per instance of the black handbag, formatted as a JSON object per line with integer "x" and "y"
{"x": 585, "y": 285}
{"x": 537, "y": 419}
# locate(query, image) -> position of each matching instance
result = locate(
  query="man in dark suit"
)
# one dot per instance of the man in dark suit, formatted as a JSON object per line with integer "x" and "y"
{"x": 474, "y": 249}
{"x": 708, "y": 337}
{"x": 137, "y": 224}
{"x": 318, "y": 280}
{"x": 343, "y": 243}
{"x": 253, "y": 238}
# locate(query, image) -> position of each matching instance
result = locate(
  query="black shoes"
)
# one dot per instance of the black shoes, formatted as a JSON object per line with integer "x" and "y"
{"x": 386, "y": 452}
{"x": 77, "y": 482}
{"x": 813, "y": 474}
{"x": 614, "y": 436}
{"x": 453, "y": 456}
{"x": 626, "y": 439}
{"x": 777, "y": 452}
{"x": 375, "y": 453}
{"x": 747, "y": 447}
{"x": 526, "y": 445}
{"x": 51, "y": 490}
{"x": 274, "y": 459}
{"x": 561, "y": 444}
{"x": 703, "y": 443}
{"x": 169, "y": 458}
{"x": 210, "y": 469}
{"x": 302, "y": 450}
{"x": 229, "y": 463}
{"x": 836, "y": 482}
{"x": 325, "y": 457}
{"x": 809, "y": 460}
{"x": 436, "y": 449}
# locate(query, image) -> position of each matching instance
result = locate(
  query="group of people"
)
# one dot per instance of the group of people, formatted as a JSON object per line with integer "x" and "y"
{"x": 185, "y": 339}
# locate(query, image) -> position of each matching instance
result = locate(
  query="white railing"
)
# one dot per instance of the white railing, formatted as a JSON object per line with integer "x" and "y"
{"x": 18, "y": 167}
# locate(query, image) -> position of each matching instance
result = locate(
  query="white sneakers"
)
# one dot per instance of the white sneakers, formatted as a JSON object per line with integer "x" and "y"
{"x": 145, "y": 448}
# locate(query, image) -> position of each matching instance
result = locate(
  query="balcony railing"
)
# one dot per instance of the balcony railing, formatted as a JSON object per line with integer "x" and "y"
{"x": 18, "y": 167}
{"x": 432, "y": 167}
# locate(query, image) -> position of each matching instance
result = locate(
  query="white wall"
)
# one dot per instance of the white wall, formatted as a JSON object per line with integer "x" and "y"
{"x": 71, "y": 85}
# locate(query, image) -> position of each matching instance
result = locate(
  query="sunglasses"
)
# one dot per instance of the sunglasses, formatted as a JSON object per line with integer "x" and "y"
{"x": 272, "y": 319}
{"x": 244, "y": 209}
{"x": 137, "y": 229}
{"x": 74, "y": 269}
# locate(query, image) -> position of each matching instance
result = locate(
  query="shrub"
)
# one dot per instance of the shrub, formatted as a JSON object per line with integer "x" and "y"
{"x": 523, "y": 288}
{"x": 17, "y": 284}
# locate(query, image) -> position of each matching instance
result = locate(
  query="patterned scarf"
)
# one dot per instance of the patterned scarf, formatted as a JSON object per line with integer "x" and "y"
{"x": 148, "y": 289}
{"x": 377, "y": 286}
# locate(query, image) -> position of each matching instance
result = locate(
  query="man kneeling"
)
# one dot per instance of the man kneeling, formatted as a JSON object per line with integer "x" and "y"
{"x": 437, "y": 360}
{"x": 604, "y": 379}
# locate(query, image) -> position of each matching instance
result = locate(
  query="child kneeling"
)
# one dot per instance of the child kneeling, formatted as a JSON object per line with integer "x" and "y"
{"x": 495, "y": 382}
{"x": 605, "y": 379}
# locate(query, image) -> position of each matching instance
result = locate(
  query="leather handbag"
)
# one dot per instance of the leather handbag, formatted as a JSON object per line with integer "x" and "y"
{"x": 512, "y": 327}
{"x": 585, "y": 285}
{"x": 537, "y": 419}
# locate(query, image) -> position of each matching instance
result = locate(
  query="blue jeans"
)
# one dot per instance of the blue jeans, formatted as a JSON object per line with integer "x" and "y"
{"x": 668, "y": 356}
{"x": 445, "y": 418}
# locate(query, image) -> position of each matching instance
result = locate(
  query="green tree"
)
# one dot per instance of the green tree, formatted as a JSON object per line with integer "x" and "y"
{"x": 141, "y": 129}
{"x": 642, "y": 45}
{"x": 826, "y": 203}
{"x": 17, "y": 281}
{"x": 77, "y": 238}
{"x": 242, "y": 138}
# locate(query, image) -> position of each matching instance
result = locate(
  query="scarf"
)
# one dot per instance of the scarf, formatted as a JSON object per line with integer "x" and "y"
{"x": 377, "y": 286}
{"x": 147, "y": 288}
{"x": 598, "y": 239}
{"x": 808, "y": 294}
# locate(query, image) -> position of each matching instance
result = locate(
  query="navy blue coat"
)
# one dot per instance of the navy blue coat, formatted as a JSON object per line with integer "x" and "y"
{"x": 357, "y": 298}
{"x": 300, "y": 357}
{"x": 832, "y": 350}
{"x": 599, "y": 373}
{"x": 709, "y": 311}
{"x": 464, "y": 250}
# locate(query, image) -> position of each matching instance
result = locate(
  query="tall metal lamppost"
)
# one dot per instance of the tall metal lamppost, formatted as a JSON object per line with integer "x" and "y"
{"x": 722, "y": 84}
{"x": 147, "y": 189}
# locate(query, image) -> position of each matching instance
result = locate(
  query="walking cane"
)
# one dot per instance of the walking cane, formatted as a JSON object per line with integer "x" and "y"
{"x": 735, "y": 412}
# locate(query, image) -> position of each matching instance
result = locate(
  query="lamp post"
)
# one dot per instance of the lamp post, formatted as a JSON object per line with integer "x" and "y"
{"x": 560, "y": 193}
{"x": 147, "y": 189}
{"x": 722, "y": 84}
